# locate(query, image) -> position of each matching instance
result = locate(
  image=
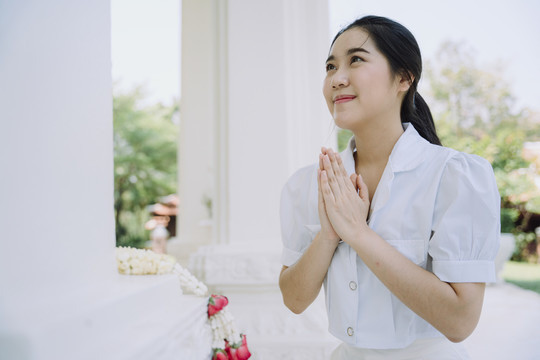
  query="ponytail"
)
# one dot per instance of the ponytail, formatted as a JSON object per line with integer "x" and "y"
{"x": 416, "y": 111}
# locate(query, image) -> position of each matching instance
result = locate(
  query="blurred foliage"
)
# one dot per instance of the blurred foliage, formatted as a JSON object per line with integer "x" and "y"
{"x": 343, "y": 137}
{"x": 145, "y": 150}
{"x": 475, "y": 112}
{"x": 525, "y": 249}
{"x": 508, "y": 220}
{"x": 523, "y": 275}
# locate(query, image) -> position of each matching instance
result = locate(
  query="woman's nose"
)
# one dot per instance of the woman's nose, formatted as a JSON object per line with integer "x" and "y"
{"x": 339, "y": 80}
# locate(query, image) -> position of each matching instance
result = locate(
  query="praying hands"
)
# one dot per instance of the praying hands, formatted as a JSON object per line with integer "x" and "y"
{"x": 343, "y": 200}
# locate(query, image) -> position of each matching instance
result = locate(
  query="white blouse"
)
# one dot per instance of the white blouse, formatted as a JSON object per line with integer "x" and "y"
{"x": 437, "y": 206}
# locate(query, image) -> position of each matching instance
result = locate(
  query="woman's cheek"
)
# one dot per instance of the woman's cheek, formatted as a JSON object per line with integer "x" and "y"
{"x": 329, "y": 102}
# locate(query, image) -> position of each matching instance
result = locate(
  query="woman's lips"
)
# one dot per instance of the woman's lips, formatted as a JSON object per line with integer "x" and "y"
{"x": 343, "y": 99}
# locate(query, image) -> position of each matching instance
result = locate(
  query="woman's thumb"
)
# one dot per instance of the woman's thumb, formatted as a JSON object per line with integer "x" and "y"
{"x": 364, "y": 194}
{"x": 353, "y": 180}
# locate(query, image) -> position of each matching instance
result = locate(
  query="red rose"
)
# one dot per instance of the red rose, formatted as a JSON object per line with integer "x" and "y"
{"x": 231, "y": 351}
{"x": 216, "y": 303}
{"x": 220, "y": 354}
{"x": 243, "y": 352}
{"x": 238, "y": 351}
{"x": 232, "y": 354}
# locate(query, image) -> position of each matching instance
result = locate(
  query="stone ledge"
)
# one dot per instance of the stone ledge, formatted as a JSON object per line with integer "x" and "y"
{"x": 130, "y": 317}
{"x": 235, "y": 266}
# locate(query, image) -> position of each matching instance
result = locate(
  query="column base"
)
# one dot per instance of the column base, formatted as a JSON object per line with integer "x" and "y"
{"x": 248, "y": 276}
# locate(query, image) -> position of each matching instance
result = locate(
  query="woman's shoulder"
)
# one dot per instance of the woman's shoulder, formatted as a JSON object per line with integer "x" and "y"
{"x": 302, "y": 177}
{"x": 468, "y": 164}
{"x": 300, "y": 191}
{"x": 463, "y": 171}
{"x": 452, "y": 159}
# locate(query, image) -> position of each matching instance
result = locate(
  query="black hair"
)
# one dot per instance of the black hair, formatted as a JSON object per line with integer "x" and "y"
{"x": 399, "y": 47}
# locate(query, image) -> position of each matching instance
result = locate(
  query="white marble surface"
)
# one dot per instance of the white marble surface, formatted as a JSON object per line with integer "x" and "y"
{"x": 274, "y": 332}
{"x": 130, "y": 317}
{"x": 509, "y": 327}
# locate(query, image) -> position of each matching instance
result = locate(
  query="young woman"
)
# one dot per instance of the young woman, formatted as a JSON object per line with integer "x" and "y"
{"x": 401, "y": 231}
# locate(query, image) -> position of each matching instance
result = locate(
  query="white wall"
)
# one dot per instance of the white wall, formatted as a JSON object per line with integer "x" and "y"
{"x": 199, "y": 106}
{"x": 56, "y": 154}
{"x": 277, "y": 116}
{"x": 252, "y": 111}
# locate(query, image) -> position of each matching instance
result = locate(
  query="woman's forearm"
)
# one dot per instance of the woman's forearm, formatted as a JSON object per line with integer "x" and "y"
{"x": 301, "y": 283}
{"x": 453, "y": 309}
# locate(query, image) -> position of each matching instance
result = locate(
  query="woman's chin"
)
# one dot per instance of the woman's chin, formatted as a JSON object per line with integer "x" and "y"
{"x": 344, "y": 123}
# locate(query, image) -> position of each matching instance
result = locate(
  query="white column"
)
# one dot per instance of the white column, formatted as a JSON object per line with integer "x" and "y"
{"x": 256, "y": 68}
{"x": 60, "y": 294}
{"x": 56, "y": 157}
{"x": 252, "y": 113}
{"x": 277, "y": 118}
{"x": 200, "y": 111}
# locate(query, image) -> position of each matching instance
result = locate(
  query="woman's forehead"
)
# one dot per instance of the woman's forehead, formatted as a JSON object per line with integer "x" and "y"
{"x": 352, "y": 38}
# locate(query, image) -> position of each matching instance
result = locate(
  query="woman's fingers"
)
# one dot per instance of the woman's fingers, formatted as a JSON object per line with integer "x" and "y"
{"x": 341, "y": 174}
{"x": 363, "y": 190}
{"x": 340, "y": 165}
{"x": 337, "y": 175}
{"x": 350, "y": 185}
{"x": 327, "y": 193}
{"x": 334, "y": 162}
{"x": 353, "y": 181}
{"x": 333, "y": 180}
{"x": 320, "y": 194}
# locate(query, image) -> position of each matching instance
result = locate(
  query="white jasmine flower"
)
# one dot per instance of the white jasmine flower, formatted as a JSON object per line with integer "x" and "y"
{"x": 131, "y": 261}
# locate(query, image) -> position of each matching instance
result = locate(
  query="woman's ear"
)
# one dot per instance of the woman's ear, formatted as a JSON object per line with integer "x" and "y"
{"x": 405, "y": 79}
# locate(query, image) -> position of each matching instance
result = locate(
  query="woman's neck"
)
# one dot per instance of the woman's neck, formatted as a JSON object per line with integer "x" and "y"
{"x": 374, "y": 144}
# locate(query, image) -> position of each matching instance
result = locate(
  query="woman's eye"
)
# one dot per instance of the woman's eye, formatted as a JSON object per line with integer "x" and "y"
{"x": 330, "y": 67}
{"x": 356, "y": 59}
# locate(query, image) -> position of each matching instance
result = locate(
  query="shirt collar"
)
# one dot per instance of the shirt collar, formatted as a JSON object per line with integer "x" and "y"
{"x": 407, "y": 154}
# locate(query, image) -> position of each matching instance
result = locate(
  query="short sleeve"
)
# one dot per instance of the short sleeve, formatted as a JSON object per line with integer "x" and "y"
{"x": 294, "y": 215}
{"x": 466, "y": 222}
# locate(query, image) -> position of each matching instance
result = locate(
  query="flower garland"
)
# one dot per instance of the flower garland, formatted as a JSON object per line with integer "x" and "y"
{"x": 227, "y": 342}
{"x": 131, "y": 261}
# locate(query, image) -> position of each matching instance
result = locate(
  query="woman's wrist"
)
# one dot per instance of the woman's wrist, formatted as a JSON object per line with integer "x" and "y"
{"x": 358, "y": 235}
{"x": 327, "y": 239}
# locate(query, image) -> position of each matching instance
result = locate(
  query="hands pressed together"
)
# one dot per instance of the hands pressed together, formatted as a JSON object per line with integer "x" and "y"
{"x": 343, "y": 200}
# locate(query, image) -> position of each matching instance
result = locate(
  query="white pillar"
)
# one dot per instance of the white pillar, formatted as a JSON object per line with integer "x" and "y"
{"x": 200, "y": 111}
{"x": 56, "y": 157}
{"x": 60, "y": 294}
{"x": 252, "y": 114}
{"x": 277, "y": 118}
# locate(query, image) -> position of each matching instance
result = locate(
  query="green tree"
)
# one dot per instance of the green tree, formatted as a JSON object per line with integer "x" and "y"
{"x": 475, "y": 112}
{"x": 343, "y": 137}
{"x": 145, "y": 148}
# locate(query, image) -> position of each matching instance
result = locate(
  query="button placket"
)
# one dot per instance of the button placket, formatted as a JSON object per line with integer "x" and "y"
{"x": 352, "y": 269}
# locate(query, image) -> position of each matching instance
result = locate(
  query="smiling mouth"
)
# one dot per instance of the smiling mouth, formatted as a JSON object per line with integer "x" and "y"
{"x": 344, "y": 99}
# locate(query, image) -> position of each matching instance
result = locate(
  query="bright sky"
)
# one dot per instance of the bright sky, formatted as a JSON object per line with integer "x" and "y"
{"x": 146, "y": 47}
{"x": 146, "y": 37}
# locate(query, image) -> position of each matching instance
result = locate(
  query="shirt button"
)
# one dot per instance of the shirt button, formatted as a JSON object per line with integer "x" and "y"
{"x": 352, "y": 285}
{"x": 350, "y": 331}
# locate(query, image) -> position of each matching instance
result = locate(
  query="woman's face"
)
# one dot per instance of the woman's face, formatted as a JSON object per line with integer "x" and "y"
{"x": 359, "y": 86}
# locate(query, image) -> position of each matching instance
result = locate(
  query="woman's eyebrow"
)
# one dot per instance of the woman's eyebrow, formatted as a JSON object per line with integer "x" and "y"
{"x": 349, "y": 52}
{"x": 358, "y": 49}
